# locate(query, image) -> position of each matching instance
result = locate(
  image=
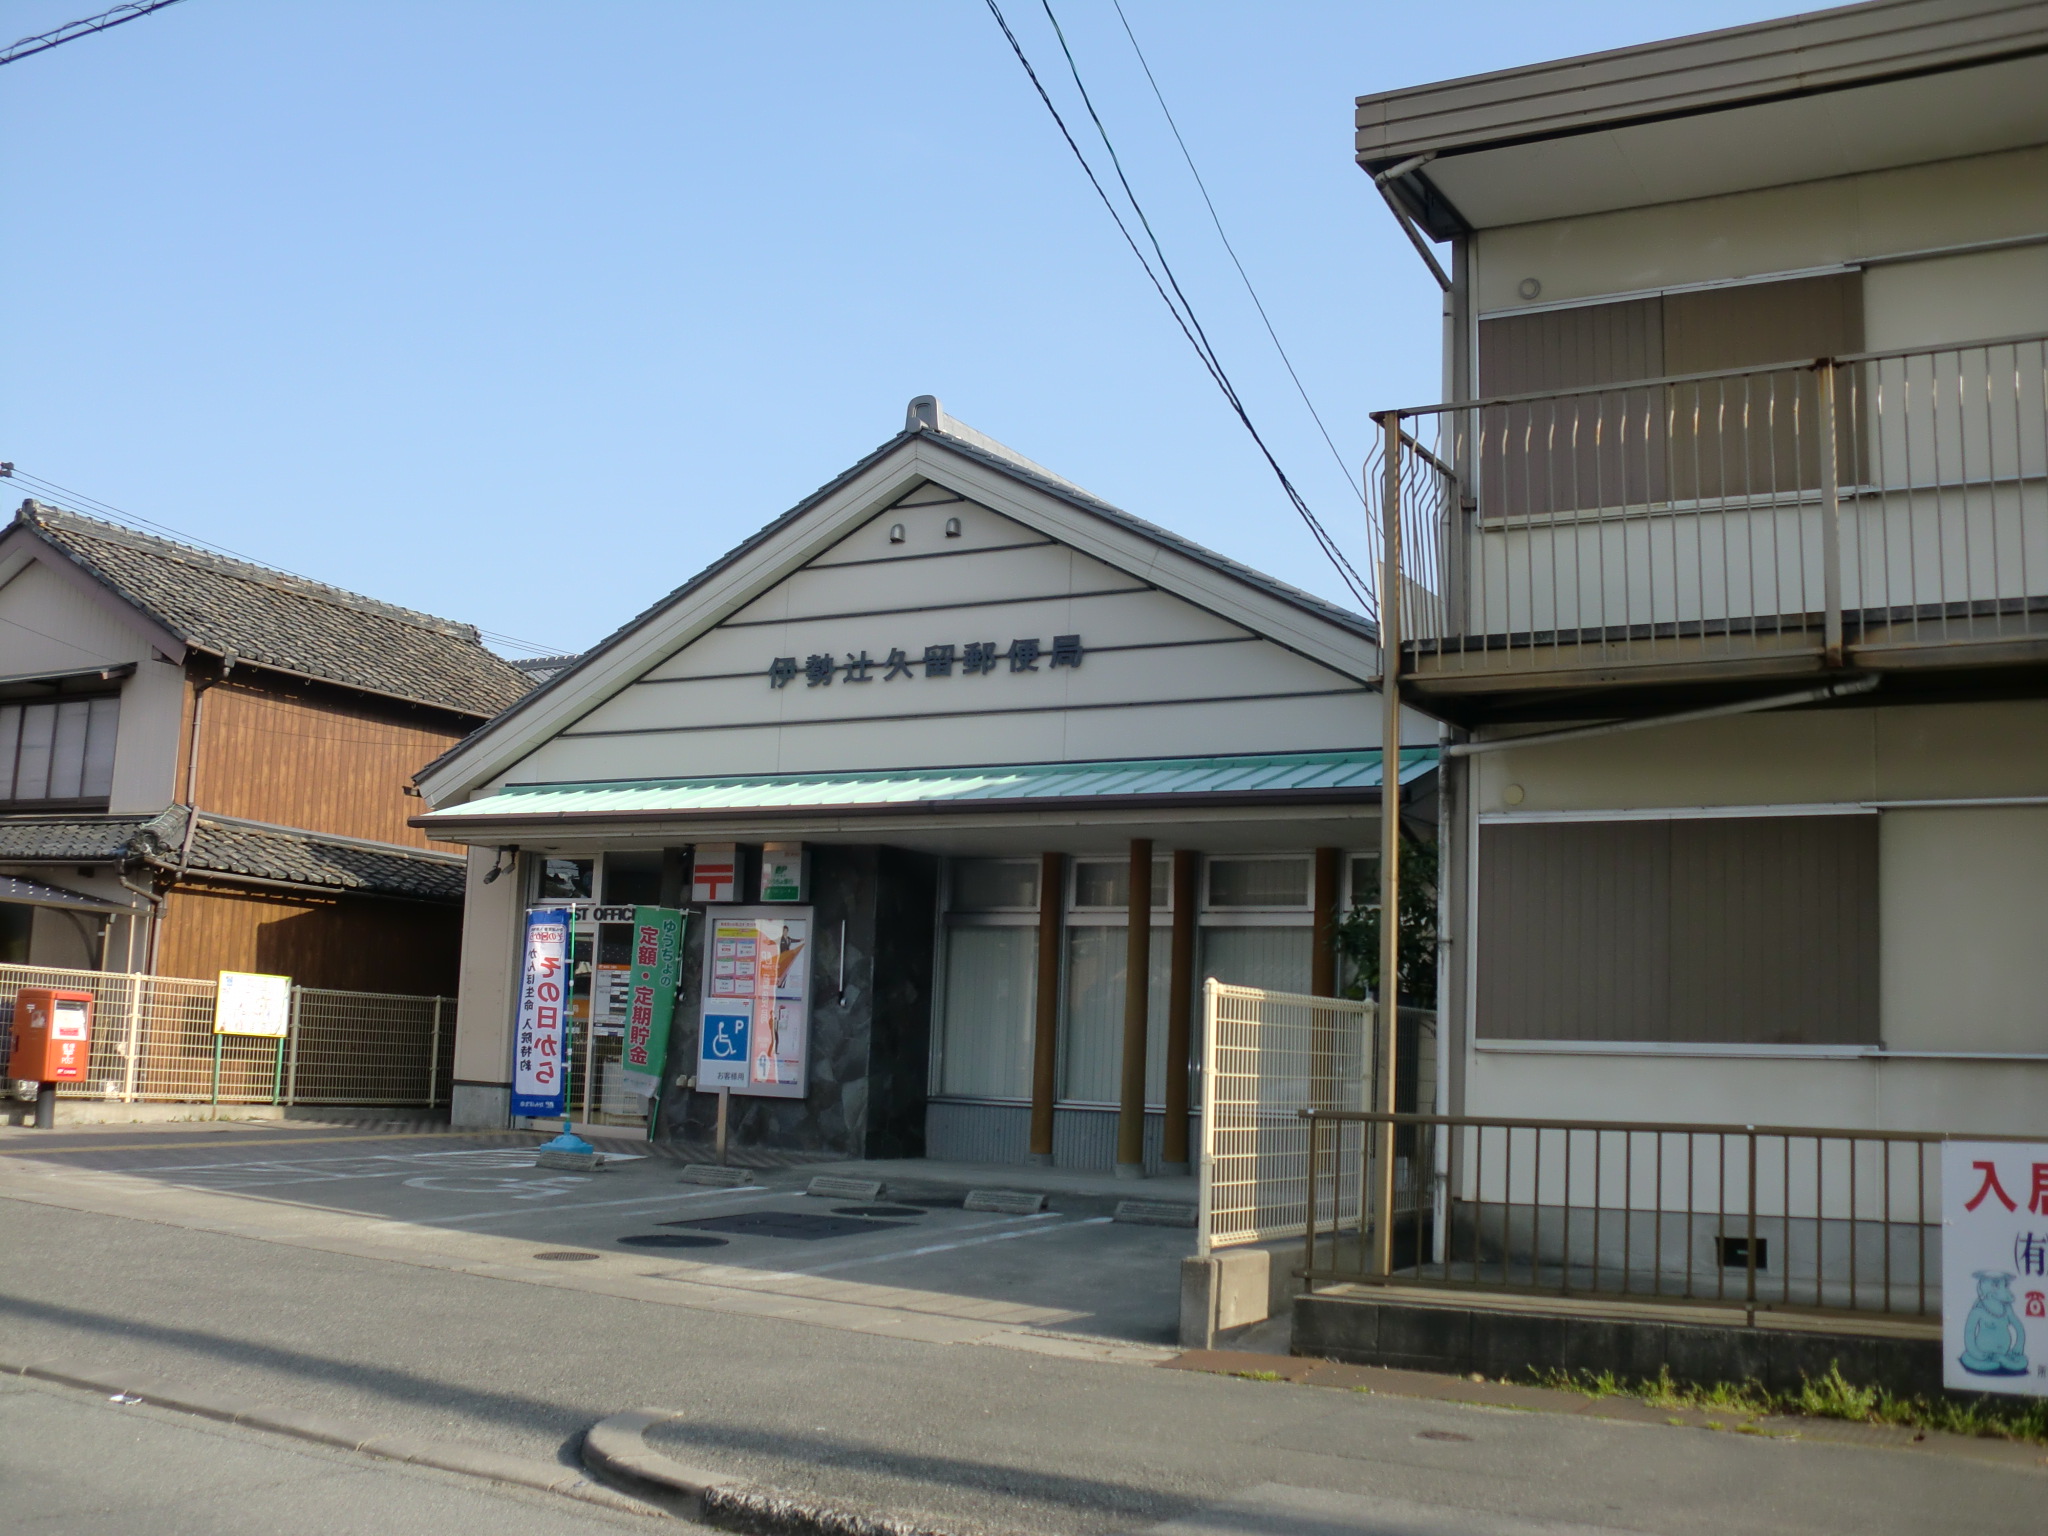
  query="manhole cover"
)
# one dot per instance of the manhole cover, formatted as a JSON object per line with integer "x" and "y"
{"x": 672, "y": 1240}
{"x": 564, "y": 1256}
{"x": 1443, "y": 1434}
{"x": 792, "y": 1224}
{"x": 876, "y": 1210}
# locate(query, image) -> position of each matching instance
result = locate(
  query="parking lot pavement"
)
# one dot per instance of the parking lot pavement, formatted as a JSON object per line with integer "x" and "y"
{"x": 913, "y": 1261}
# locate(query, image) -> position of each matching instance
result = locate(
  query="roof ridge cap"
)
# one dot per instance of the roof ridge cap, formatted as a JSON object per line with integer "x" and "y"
{"x": 53, "y": 519}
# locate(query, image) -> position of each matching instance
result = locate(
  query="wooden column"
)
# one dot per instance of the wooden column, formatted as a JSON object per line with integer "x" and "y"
{"x": 1323, "y": 981}
{"x": 1045, "y": 1038}
{"x": 1323, "y": 970}
{"x": 1130, "y": 1120}
{"x": 1180, "y": 1011}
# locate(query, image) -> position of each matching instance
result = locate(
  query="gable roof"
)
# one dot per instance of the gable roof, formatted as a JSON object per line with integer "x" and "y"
{"x": 927, "y": 426}
{"x": 268, "y": 618}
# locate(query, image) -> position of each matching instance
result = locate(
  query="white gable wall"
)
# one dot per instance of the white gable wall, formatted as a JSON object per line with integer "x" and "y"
{"x": 1160, "y": 676}
{"x": 52, "y": 620}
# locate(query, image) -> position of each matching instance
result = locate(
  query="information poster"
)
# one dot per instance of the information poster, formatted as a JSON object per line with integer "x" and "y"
{"x": 656, "y": 968}
{"x": 1994, "y": 1267}
{"x": 248, "y": 1003}
{"x": 756, "y": 1021}
{"x": 537, "y": 1081}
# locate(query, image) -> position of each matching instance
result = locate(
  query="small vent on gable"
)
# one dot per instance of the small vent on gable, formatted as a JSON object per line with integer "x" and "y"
{"x": 952, "y": 527}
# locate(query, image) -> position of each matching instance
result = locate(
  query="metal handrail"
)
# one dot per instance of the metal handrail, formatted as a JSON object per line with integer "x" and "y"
{"x": 1789, "y": 365}
{"x": 1802, "y": 1219}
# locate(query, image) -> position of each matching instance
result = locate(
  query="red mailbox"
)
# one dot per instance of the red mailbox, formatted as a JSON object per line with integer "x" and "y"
{"x": 52, "y": 1035}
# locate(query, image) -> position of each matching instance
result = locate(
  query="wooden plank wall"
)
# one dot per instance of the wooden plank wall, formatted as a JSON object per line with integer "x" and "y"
{"x": 298, "y": 758}
{"x": 357, "y": 943}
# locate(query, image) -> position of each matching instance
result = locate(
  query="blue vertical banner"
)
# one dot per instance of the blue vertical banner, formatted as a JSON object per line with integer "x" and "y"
{"x": 538, "y": 1083}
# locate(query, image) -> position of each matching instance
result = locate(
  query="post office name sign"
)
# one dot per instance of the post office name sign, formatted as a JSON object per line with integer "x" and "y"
{"x": 1994, "y": 1267}
{"x": 977, "y": 658}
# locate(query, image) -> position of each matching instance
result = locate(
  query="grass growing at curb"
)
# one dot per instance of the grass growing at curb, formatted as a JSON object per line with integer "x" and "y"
{"x": 1828, "y": 1397}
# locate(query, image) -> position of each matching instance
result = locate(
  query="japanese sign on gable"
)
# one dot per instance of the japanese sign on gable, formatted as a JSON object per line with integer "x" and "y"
{"x": 756, "y": 1018}
{"x": 977, "y": 658}
{"x": 1994, "y": 1267}
{"x": 657, "y": 964}
{"x": 537, "y": 1081}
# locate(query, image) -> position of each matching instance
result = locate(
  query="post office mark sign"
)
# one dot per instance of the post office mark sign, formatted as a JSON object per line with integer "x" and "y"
{"x": 977, "y": 658}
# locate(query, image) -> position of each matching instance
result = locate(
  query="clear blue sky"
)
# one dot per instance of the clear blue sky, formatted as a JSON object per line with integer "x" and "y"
{"x": 521, "y": 313}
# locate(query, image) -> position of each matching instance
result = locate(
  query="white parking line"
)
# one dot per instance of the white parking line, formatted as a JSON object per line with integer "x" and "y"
{"x": 968, "y": 1242}
{"x": 584, "y": 1205}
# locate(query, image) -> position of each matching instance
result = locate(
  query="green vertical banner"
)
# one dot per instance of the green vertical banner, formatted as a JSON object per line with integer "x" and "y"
{"x": 657, "y": 966}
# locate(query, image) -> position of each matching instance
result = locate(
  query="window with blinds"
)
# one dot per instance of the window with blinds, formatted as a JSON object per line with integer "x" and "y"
{"x": 1599, "y": 446}
{"x": 60, "y": 752}
{"x": 1756, "y": 930}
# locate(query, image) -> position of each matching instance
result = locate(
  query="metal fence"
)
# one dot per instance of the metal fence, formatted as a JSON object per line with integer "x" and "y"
{"x": 1777, "y": 1218}
{"x": 1266, "y": 1057}
{"x": 153, "y": 1042}
{"x": 1887, "y": 501}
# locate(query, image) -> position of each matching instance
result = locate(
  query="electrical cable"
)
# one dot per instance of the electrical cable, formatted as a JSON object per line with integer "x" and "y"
{"x": 41, "y": 43}
{"x": 1217, "y": 220}
{"x": 1358, "y": 586}
{"x": 1189, "y": 326}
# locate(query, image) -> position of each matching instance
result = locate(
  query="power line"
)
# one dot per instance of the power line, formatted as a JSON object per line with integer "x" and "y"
{"x": 1182, "y": 311}
{"x": 44, "y": 42}
{"x": 1342, "y": 463}
{"x": 80, "y": 502}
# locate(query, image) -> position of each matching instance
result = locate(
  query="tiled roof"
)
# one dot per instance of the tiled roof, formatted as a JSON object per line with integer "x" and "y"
{"x": 224, "y": 845}
{"x": 257, "y": 615}
{"x": 541, "y": 668}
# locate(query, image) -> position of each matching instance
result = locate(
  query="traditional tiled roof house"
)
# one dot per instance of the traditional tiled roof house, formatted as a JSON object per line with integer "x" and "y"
{"x": 204, "y": 763}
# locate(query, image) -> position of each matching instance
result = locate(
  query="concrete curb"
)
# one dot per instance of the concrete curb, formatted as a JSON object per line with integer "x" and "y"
{"x": 617, "y": 1447}
{"x": 345, "y": 1434}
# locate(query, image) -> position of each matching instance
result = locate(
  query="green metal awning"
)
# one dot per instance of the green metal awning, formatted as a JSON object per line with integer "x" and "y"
{"x": 1270, "y": 778}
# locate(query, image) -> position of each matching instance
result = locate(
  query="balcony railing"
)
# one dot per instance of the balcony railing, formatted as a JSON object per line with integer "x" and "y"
{"x": 1884, "y": 509}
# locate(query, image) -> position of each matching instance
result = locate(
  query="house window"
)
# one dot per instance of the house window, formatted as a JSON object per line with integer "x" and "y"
{"x": 632, "y": 879}
{"x": 61, "y": 751}
{"x": 1591, "y": 446}
{"x": 565, "y": 879}
{"x": 1257, "y": 923}
{"x": 991, "y": 979}
{"x": 1758, "y": 930}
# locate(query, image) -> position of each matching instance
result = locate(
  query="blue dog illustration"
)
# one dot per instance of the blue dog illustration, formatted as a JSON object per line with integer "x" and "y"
{"x": 1994, "y": 1343}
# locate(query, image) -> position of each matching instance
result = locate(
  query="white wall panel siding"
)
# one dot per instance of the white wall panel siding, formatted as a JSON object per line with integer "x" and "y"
{"x": 1118, "y": 616}
{"x": 986, "y": 1034}
{"x": 1160, "y": 676}
{"x": 1779, "y": 229}
{"x": 1957, "y": 298}
{"x": 1964, "y": 953}
{"x": 49, "y": 625}
{"x": 1868, "y": 1093}
{"x": 1091, "y": 1044}
{"x": 1279, "y": 959}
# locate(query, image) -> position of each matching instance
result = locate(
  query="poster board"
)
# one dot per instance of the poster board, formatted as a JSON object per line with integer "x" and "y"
{"x": 249, "y": 1003}
{"x": 538, "y": 1083}
{"x": 755, "y": 1019}
{"x": 1994, "y": 1267}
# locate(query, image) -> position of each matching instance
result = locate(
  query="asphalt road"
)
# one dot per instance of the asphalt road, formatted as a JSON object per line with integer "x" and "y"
{"x": 72, "y": 1462}
{"x": 907, "y": 1397}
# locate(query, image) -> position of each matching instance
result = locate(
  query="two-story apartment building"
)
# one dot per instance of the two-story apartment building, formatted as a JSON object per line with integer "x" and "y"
{"x": 204, "y": 764}
{"x": 1728, "y": 557}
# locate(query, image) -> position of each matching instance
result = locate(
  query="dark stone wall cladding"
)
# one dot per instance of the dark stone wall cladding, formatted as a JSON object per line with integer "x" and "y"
{"x": 1510, "y": 1345}
{"x": 870, "y": 1040}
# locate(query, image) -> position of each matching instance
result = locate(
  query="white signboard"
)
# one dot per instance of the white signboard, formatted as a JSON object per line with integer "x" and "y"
{"x": 714, "y": 872}
{"x": 755, "y": 1020}
{"x": 539, "y": 1085}
{"x": 251, "y": 1004}
{"x": 1994, "y": 1266}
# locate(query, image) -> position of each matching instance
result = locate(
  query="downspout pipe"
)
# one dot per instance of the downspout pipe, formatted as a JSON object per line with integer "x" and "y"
{"x": 1381, "y": 183}
{"x": 1613, "y": 727}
